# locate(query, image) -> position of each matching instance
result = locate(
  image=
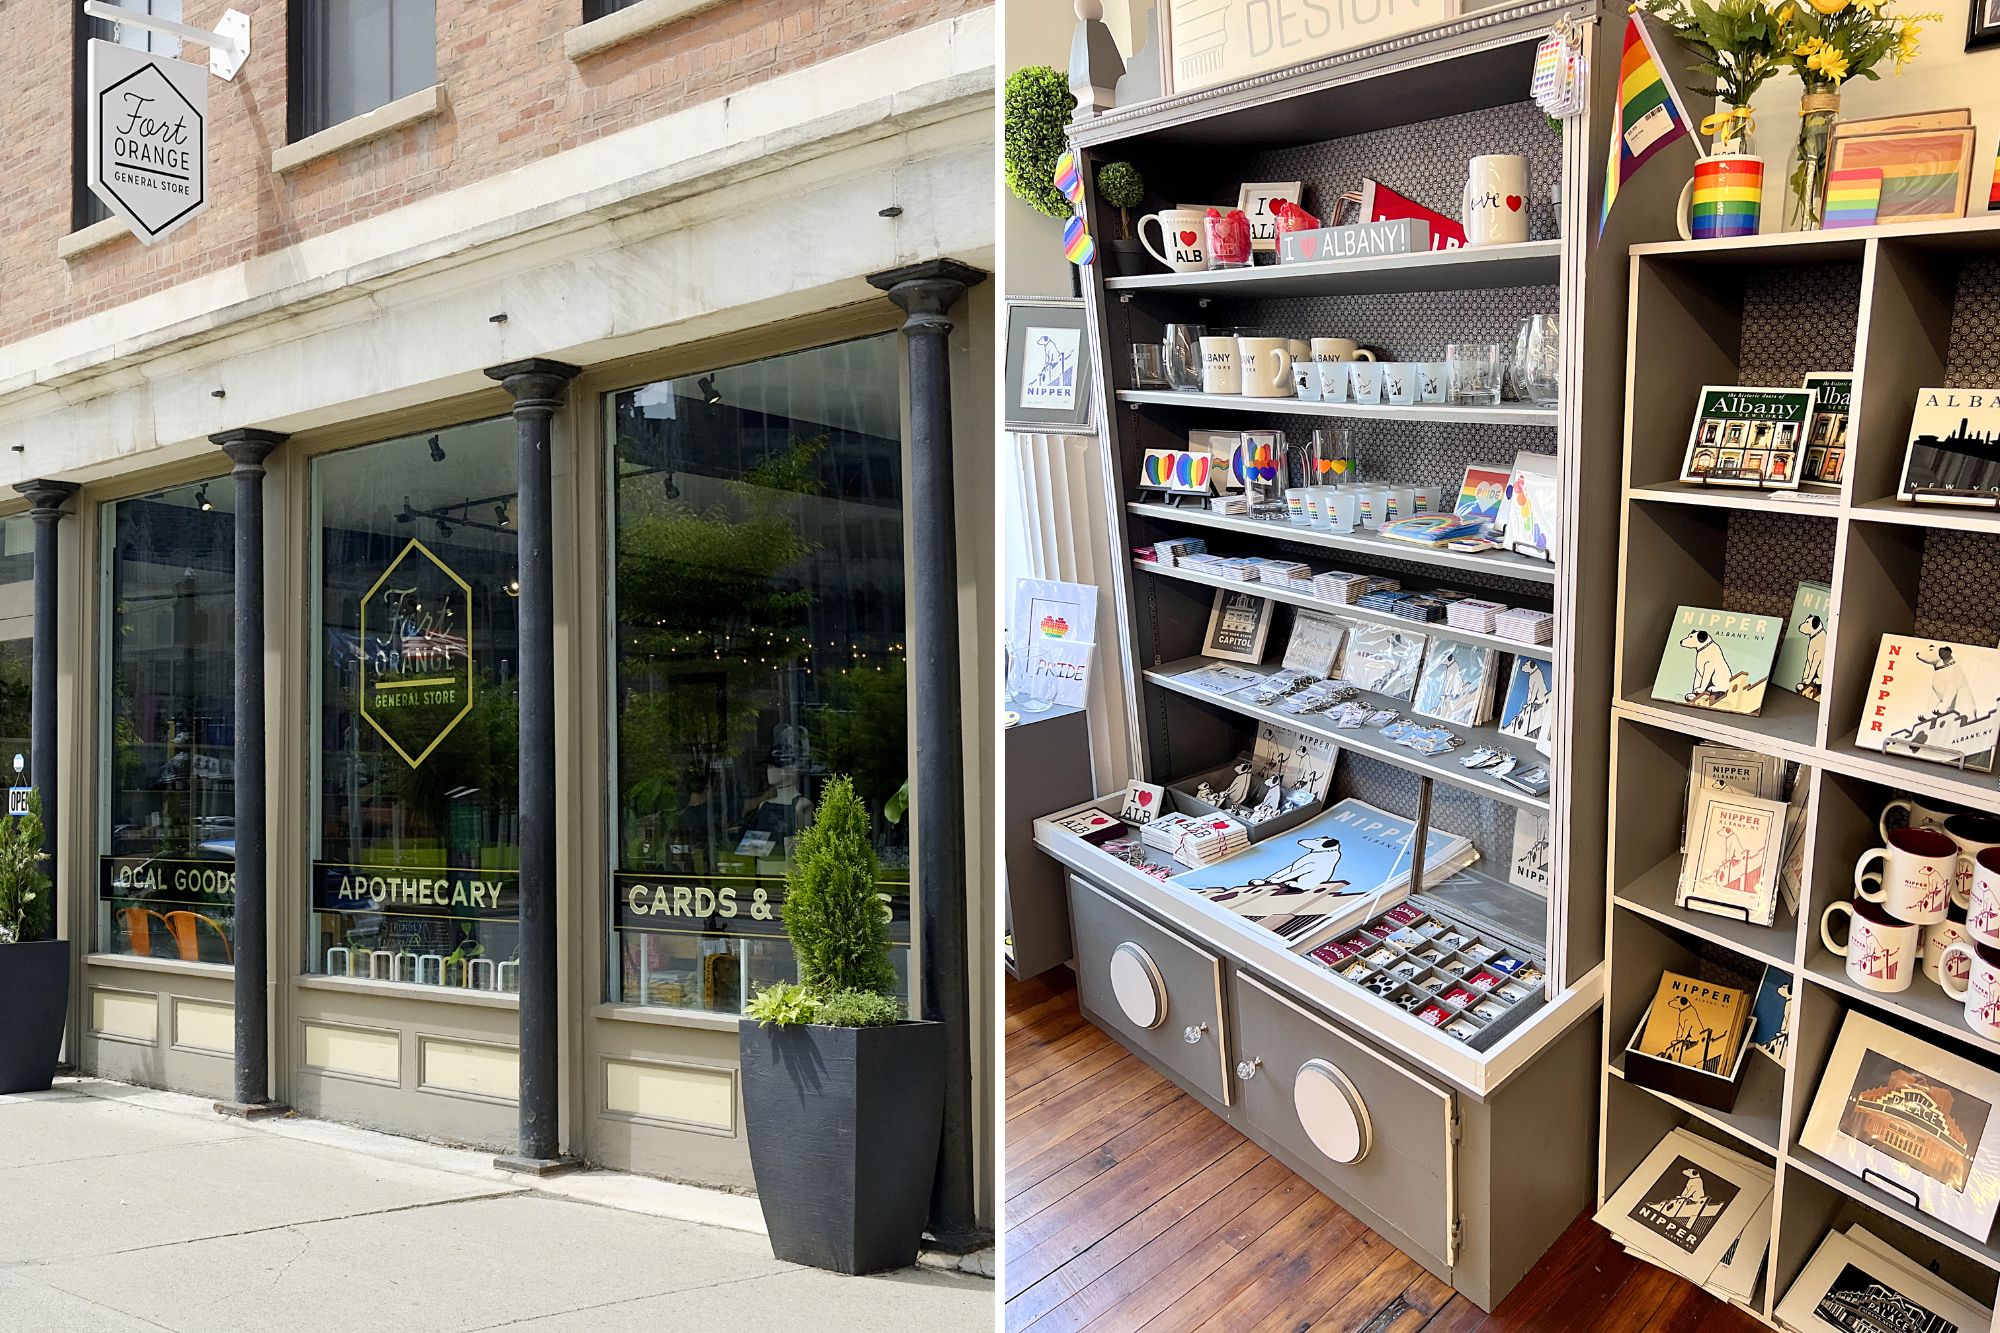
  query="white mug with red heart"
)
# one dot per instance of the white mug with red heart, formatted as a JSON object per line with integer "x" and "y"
{"x": 1496, "y": 199}
{"x": 1181, "y": 247}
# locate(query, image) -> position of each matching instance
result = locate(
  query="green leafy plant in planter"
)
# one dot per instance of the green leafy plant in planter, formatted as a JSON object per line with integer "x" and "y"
{"x": 1120, "y": 186}
{"x": 844, "y": 1099}
{"x": 1039, "y": 105}
{"x": 34, "y": 972}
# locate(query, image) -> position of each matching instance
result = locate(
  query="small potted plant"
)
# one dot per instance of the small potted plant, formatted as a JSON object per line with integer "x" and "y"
{"x": 34, "y": 972}
{"x": 1121, "y": 187}
{"x": 844, "y": 1098}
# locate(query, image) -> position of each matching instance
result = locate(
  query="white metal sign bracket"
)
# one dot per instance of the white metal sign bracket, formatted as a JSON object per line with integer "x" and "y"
{"x": 228, "y": 46}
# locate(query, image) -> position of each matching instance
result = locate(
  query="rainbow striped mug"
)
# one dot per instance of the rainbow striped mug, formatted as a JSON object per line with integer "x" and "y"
{"x": 1725, "y": 198}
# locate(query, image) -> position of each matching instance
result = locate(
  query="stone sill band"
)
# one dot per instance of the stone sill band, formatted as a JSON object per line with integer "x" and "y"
{"x": 95, "y": 236}
{"x": 422, "y": 105}
{"x": 625, "y": 24}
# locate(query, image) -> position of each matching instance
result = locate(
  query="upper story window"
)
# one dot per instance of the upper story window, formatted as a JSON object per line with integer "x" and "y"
{"x": 87, "y": 207}
{"x": 597, "y": 9}
{"x": 350, "y": 56}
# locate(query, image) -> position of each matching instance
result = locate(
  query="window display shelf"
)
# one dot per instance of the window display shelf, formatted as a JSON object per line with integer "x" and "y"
{"x": 1758, "y": 1115}
{"x": 1437, "y": 629}
{"x": 1492, "y": 564}
{"x": 1363, "y": 740}
{"x": 1503, "y": 414}
{"x": 1522, "y": 264}
{"x": 1652, "y": 895}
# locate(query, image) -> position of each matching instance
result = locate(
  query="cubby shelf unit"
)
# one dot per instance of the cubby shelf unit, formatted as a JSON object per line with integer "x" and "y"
{"x": 1901, "y": 307}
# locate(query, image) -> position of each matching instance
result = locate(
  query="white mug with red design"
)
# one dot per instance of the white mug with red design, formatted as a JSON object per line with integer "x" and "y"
{"x": 1938, "y": 938}
{"x": 1495, "y": 203}
{"x": 1973, "y": 834}
{"x": 1980, "y": 990}
{"x": 1183, "y": 245}
{"x": 1982, "y": 909}
{"x": 1881, "y": 951}
{"x": 1918, "y": 874}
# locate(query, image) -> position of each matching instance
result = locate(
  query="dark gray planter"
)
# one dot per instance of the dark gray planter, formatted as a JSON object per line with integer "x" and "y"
{"x": 1130, "y": 259}
{"x": 844, "y": 1126}
{"x": 34, "y": 996}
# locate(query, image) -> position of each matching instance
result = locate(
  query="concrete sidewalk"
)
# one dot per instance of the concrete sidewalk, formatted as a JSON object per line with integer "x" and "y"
{"x": 127, "y": 1209}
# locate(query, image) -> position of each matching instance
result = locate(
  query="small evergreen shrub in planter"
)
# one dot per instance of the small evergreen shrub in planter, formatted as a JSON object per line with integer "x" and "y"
{"x": 844, "y": 1098}
{"x": 34, "y": 972}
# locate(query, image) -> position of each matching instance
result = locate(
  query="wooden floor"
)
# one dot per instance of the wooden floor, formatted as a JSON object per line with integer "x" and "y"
{"x": 1130, "y": 1206}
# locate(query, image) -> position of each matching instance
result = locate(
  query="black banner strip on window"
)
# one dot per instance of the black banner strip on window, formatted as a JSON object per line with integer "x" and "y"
{"x": 164, "y": 879}
{"x": 421, "y": 891}
{"x": 739, "y": 905}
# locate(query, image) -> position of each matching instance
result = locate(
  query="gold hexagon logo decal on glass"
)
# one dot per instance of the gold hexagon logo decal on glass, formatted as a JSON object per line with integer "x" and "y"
{"x": 416, "y": 661}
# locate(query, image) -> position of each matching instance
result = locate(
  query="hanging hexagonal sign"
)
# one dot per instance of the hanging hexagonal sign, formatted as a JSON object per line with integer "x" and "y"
{"x": 148, "y": 138}
{"x": 416, "y": 653}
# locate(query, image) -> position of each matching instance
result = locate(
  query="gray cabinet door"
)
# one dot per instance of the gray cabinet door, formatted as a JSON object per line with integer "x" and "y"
{"x": 1364, "y": 1123}
{"x": 1162, "y": 995}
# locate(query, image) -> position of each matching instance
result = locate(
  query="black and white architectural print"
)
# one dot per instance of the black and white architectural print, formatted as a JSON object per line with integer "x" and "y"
{"x": 1863, "y": 1303}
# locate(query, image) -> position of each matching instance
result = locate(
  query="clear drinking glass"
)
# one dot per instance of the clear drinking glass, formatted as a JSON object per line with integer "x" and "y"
{"x": 1538, "y": 359}
{"x": 1475, "y": 373}
{"x": 1149, "y": 366}
{"x": 1183, "y": 355}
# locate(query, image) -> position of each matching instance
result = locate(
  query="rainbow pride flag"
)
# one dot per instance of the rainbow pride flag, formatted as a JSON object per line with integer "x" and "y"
{"x": 1649, "y": 115}
{"x": 1852, "y": 197}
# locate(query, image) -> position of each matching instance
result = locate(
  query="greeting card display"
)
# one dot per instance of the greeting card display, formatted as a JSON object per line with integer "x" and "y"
{"x": 1482, "y": 494}
{"x": 1736, "y": 845}
{"x": 1687, "y": 1204}
{"x": 1315, "y": 643}
{"x": 1326, "y": 871}
{"x": 1238, "y": 624}
{"x": 1525, "y": 713}
{"x": 1913, "y": 1120}
{"x": 1717, "y": 659}
{"x": 1177, "y": 471}
{"x": 1456, "y": 684}
{"x": 1826, "y": 436}
{"x": 1954, "y": 451}
{"x": 1532, "y": 511}
{"x": 1719, "y": 768}
{"x": 1296, "y": 761}
{"x": 1224, "y": 449}
{"x": 1801, "y": 662}
{"x": 1933, "y": 700}
{"x": 1747, "y": 437}
{"x": 1383, "y": 659}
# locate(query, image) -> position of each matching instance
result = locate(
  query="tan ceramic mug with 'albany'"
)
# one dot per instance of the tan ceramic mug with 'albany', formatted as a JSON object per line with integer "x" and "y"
{"x": 1267, "y": 367}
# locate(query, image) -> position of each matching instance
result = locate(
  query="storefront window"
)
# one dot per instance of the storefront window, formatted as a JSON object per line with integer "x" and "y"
{"x": 759, "y": 652}
{"x": 17, "y": 635}
{"x": 167, "y": 874}
{"x": 416, "y": 847}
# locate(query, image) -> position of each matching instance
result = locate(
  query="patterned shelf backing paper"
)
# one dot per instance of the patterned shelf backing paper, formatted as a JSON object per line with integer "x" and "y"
{"x": 1767, "y": 555}
{"x": 1973, "y": 358}
{"x": 1955, "y": 588}
{"x": 1795, "y": 320}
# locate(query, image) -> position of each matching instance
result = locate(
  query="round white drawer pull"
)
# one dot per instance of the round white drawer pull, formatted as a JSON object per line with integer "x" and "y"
{"x": 1331, "y": 1112}
{"x": 1136, "y": 985}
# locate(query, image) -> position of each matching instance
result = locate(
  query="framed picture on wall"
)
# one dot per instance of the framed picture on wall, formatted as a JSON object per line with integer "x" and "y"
{"x": 1983, "y": 26}
{"x": 1926, "y": 174}
{"x": 1049, "y": 382}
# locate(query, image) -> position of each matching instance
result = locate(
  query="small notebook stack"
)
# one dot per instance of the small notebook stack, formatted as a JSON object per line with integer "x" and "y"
{"x": 1337, "y": 585}
{"x": 1525, "y": 625}
{"x": 1210, "y": 839}
{"x": 1474, "y": 614}
{"x": 1172, "y": 550}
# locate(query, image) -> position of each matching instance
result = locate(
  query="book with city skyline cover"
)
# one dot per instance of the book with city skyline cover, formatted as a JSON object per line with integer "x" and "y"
{"x": 1953, "y": 456}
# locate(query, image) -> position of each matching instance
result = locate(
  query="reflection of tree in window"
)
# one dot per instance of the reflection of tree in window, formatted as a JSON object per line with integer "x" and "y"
{"x": 759, "y": 601}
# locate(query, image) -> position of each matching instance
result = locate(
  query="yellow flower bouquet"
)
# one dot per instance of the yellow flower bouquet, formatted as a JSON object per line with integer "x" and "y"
{"x": 1830, "y": 42}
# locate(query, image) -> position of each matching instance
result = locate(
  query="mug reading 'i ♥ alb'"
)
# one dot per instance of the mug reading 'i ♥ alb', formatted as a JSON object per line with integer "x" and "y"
{"x": 1183, "y": 239}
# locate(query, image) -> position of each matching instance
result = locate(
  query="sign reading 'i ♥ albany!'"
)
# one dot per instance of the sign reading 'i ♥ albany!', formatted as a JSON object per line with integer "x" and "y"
{"x": 148, "y": 138}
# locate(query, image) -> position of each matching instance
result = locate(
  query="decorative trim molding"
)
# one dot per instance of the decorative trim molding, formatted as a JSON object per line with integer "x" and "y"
{"x": 94, "y": 237}
{"x": 424, "y": 104}
{"x": 622, "y": 26}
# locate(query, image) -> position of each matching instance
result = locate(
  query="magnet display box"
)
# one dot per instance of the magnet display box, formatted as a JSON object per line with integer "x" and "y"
{"x": 1183, "y": 799}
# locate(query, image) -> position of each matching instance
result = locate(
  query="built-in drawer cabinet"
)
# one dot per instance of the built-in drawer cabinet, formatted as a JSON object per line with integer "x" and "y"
{"x": 1365, "y": 1124}
{"x": 1161, "y": 993}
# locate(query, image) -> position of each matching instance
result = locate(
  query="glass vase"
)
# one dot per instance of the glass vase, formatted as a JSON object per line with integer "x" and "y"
{"x": 1732, "y": 132}
{"x": 1805, "y": 208}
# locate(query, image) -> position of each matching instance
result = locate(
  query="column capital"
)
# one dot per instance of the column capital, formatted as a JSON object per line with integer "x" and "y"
{"x": 46, "y": 499}
{"x": 536, "y": 384}
{"x": 248, "y": 447}
{"x": 926, "y": 292}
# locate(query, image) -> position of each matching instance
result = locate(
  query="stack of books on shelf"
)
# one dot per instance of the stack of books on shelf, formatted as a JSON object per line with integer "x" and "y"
{"x": 1743, "y": 839}
{"x": 1525, "y": 624}
{"x": 1699, "y": 1210}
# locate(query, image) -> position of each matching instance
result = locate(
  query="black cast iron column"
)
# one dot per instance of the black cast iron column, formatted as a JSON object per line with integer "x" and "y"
{"x": 926, "y": 293}
{"x": 47, "y": 501}
{"x": 248, "y": 449}
{"x": 537, "y": 388}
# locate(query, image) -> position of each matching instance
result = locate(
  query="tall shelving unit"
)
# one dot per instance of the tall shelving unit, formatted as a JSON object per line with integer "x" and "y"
{"x": 1410, "y": 113}
{"x": 1903, "y": 308}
